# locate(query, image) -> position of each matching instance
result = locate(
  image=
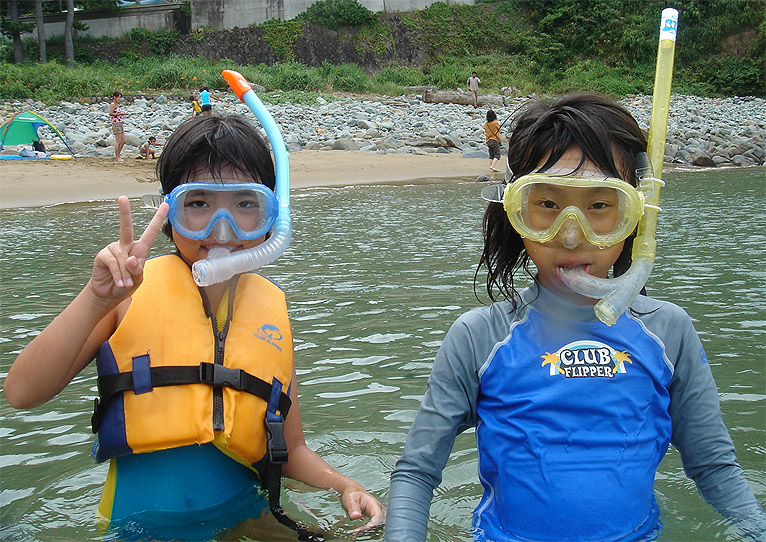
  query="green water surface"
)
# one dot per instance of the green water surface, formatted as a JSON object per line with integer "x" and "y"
{"x": 374, "y": 277}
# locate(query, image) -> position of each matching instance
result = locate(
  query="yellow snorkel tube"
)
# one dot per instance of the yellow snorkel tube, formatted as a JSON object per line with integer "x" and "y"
{"x": 618, "y": 293}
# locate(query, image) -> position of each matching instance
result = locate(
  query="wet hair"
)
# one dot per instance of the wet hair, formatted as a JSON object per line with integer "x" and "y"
{"x": 211, "y": 145}
{"x": 152, "y": 138}
{"x": 491, "y": 116}
{"x": 542, "y": 133}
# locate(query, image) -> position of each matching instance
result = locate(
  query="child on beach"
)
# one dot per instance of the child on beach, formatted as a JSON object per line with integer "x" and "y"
{"x": 492, "y": 138}
{"x": 146, "y": 149}
{"x": 198, "y": 395}
{"x": 572, "y": 416}
{"x": 196, "y": 108}
{"x": 204, "y": 101}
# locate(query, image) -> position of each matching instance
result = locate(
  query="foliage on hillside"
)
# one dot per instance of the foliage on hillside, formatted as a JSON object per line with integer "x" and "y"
{"x": 619, "y": 36}
{"x": 543, "y": 46}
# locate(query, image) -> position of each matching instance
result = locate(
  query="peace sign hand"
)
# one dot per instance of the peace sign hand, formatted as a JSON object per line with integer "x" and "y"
{"x": 118, "y": 268}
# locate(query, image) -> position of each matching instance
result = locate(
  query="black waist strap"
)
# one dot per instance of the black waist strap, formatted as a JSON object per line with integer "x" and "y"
{"x": 205, "y": 373}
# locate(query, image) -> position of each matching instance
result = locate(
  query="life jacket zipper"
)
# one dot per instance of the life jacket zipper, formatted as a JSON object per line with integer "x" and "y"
{"x": 220, "y": 340}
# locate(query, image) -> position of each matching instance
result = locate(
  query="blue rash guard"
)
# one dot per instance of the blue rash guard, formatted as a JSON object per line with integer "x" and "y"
{"x": 572, "y": 419}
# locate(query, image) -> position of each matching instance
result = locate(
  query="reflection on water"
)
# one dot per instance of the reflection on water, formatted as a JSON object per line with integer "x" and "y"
{"x": 374, "y": 278}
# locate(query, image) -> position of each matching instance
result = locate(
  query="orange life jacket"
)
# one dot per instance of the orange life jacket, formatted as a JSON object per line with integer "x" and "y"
{"x": 169, "y": 378}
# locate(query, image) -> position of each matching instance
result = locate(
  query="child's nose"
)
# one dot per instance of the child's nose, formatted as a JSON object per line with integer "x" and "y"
{"x": 222, "y": 231}
{"x": 570, "y": 234}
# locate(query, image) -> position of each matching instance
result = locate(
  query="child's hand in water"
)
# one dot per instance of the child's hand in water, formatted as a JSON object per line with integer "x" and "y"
{"x": 119, "y": 267}
{"x": 358, "y": 502}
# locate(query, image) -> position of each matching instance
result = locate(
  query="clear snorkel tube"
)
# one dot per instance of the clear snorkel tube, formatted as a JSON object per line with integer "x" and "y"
{"x": 618, "y": 293}
{"x": 218, "y": 268}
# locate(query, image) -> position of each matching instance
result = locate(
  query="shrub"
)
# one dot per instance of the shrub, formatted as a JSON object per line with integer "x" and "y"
{"x": 336, "y": 13}
{"x": 403, "y": 76}
{"x": 162, "y": 41}
{"x": 345, "y": 78}
{"x": 295, "y": 76}
{"x": 281, "y": 35}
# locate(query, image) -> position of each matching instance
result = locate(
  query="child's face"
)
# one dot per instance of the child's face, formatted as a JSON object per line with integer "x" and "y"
{"x": 192, "y": 250}
{"x": 568, "y": 251}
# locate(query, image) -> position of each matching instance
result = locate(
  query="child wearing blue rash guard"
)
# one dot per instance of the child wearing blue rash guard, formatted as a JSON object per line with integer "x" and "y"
{"x": 198, "y": 406}
{"x": 572, "y": 416}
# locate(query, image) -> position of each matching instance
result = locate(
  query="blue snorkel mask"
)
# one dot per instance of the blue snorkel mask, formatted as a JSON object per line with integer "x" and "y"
{"x": 221, "y": 266}
{"x": 222, "y": 210}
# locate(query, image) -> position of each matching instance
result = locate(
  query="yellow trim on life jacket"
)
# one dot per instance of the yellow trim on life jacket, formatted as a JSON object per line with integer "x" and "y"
{"x": 166, "y": 320}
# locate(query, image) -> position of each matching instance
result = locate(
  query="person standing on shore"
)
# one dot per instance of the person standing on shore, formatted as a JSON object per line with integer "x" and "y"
{"x": 473, "y": 86}
{"x": 116, "y": 115}
{"x": 492, "y": 138}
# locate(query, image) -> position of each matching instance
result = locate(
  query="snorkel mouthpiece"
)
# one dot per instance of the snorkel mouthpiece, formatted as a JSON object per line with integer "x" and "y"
{"x": 618, "y": 293}
{"x": 217, "y": 268}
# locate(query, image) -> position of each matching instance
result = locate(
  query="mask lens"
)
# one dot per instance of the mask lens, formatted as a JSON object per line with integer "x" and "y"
{"x": 606, "y": 210}
{"x": 599, "y": 206}
{"x": 197, "y": 208}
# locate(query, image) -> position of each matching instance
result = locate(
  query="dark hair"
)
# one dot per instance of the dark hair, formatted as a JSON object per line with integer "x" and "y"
{"x": 152, "y": 138}
{"x": 211, "y": 145}
{"x": 491, "y": 116}
{"x": 542, "y": 133}
{"x": 116, "y": 93}
{"x": 203, "y": 88}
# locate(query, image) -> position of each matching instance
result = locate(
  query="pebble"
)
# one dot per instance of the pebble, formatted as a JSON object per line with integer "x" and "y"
{"x": 705, "y": 132}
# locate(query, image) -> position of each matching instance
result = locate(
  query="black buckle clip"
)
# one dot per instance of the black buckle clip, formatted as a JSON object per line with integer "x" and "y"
{"x": 218, "y": 376}
{"x": 95, "y": 420}
{"x": 276, "y": 441}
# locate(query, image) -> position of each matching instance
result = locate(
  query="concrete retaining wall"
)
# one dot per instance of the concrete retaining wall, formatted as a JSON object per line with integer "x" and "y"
{"x": 217, "y": 14}
{"x": 152, "y": 17}
{"x": 227, "y": 14}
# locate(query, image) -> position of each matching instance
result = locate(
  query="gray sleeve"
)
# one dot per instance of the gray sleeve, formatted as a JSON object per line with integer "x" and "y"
{"x": 448, "y": 408}
{"x": 699, "y": 434}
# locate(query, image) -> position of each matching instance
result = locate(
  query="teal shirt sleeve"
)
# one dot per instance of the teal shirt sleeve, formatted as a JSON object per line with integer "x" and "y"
{"x": 699, "y": 433}
{"x": 448, "y": 408}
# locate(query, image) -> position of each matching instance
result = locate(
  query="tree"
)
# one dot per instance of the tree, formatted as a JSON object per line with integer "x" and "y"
{"x": 68, "y": 29}
{"x": 40, "y": 20}
{"x": 12, "y": 28}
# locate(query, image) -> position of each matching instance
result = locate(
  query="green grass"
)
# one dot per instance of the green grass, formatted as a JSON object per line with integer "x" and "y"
{"x": 183, "y": 76}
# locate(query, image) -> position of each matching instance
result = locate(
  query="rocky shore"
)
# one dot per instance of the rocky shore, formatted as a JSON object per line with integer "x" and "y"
{"x": 706, "y": 132}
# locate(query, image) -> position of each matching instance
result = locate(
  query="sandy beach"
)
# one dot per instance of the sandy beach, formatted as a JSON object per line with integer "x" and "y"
{"x": 33, "y": 183}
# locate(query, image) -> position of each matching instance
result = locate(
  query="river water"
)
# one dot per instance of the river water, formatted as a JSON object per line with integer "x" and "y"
{"x": 374, "y": 278}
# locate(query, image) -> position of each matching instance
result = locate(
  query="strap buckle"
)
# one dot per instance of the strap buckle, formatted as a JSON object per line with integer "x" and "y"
{"x": 275, "y": 442}
{"x": 217, "y": 376}
{"x": 95, "y": 420}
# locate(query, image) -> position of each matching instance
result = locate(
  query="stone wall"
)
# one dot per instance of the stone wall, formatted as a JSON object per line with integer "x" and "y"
{"x": 315, "y": 45}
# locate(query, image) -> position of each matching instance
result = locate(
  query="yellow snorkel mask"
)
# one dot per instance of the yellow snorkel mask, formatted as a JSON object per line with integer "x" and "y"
{"x": 544, "y": 207}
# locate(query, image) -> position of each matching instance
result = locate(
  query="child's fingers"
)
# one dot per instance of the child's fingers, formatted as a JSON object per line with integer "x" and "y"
{"x": 155, "y": 225}
{"x": 116, "y": 263}
{"x": 361, "y": 502}
{"x": 126, "y": 221}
